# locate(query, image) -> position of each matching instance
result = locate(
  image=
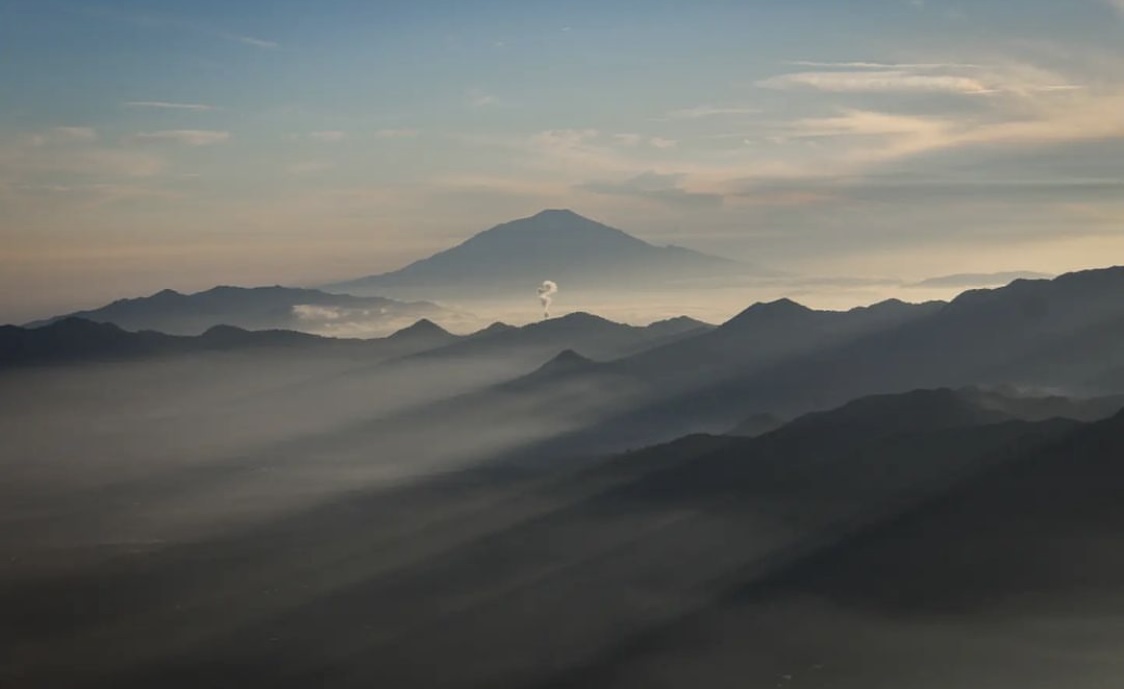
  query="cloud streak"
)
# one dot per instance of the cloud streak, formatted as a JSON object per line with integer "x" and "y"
{"x": 250, "y": 41}
{"x": 328, "y": 137}
{"x": 75, "y": 133}
{"x": 885, "y": 65}
{"x": 707, "y": 111}
{"x": 165, "y": 105}
{"x": 396, "y": 133}
{"x": 919, "y": 78}
{"x": 880, "y": 81}
{"x": 186, "y": 137}
{"x": 156, "y": 21}
{"x": 309, "y": 167}
{"x": 662, "y": 188}
{"x": 478, "y": 99}
{"x": 70, "y": 151}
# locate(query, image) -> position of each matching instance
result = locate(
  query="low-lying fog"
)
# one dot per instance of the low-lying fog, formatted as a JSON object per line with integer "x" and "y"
{"x": 711, "y": 305}
{"x": 147, "y": 450}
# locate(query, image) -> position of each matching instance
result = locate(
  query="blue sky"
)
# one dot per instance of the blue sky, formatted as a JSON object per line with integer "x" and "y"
{"x": 146, "y": 145}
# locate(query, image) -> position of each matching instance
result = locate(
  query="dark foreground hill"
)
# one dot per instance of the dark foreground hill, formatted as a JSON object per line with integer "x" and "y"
{"x": 952, "y": 550}
{"x": 1011, "y": 577}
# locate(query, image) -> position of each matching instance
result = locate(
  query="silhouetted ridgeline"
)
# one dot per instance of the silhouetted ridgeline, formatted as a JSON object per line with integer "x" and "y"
{"x": 256, "y": 308}
{"x": 73, "y": 340}
{"x": 784, "y": 359}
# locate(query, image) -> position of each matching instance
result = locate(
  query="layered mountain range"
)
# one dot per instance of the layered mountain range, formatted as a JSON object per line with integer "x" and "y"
{"x": 258, "y": 308}
{"x": 898, "y": 495}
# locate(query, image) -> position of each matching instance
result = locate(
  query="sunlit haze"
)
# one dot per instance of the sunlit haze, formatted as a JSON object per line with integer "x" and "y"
{"x": 568, "y": 344}
{"x": 147, "y": 145}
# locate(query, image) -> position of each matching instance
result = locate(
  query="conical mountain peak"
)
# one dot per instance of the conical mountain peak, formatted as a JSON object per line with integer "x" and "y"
{"x": 424, "y": 328}
{"x": 557, "y": 244}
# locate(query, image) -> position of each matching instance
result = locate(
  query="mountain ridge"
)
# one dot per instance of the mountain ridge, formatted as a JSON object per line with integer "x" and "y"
{"x": 251, "y": 308}
{"x": 79, "y": 340}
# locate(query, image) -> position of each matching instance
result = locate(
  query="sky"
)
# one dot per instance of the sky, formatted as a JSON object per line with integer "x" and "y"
{"x": 146, "y": 145}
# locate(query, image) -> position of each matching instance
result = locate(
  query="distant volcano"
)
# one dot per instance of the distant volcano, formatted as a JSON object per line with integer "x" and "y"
{"x": 512, "y": 258}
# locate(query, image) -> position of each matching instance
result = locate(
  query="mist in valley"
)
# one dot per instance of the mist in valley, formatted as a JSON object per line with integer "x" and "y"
{"x": 541, "y": 345}
{"x": 508, "y": 502}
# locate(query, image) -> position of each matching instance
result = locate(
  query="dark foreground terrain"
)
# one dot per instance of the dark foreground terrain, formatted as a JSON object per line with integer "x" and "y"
{"x": 952, "y": 547}
{"x": 897, "y": 497}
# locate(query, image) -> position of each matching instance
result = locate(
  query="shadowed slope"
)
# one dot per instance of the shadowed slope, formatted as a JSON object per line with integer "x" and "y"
{"x": 1010, "y": 578}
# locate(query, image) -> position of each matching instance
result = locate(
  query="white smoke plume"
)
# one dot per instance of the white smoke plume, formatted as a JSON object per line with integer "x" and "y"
{"x": 546, "y": 295}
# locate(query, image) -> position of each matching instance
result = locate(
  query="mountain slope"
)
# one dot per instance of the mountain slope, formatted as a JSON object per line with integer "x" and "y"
{"x": 256, "y": 308}
{"x": 531, "y": 345}
{"x": 946, "y": 408}
{"x": 560, "y": 245}
{"x": 1011, "y": 577}
{"x": 1066, "y": 334}
{"x": 511, "y": 573}
{"x": 76, "y": 340}
{"x": 766, "y": 333}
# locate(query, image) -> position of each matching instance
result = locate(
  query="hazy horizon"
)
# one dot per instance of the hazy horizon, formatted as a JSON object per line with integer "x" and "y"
{"x": 713, "y": 305}
{"x": 895, "y": 140}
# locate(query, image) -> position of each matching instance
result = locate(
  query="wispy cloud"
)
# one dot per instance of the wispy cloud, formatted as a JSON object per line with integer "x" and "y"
{"x": 881, "y": 81}
{"x": 866, "y": 123}
{"x": 1030, "y": 118}
{"x": 165, "y": 105}
{"x": 95, "y": 195}
{"x": 884, "y": 65}
{"x": 249, "y": 40}
{"x": 309, "y": 167}
{"x": 662, "y": 188}
{"x": 60, "y": 136}
{"x": 158, "y": 21}
{"x": 396, "y": 133}
{"x": 630, "y": 140}
{"x": 1032, "y": 107}
{"x": 949, "y": 78}
{"x": 480, "y": 99}
{"x": 186, "y": 137}
{"x": 573, "y": 156}
{"x": 703, "y": 111}
{"x": 1117, "y": 5}
{"x": 328, "y": 137}
{"x": 71, "y": 151}
{"x": 75, "y": 133}
{"x": 566, "y": 155}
